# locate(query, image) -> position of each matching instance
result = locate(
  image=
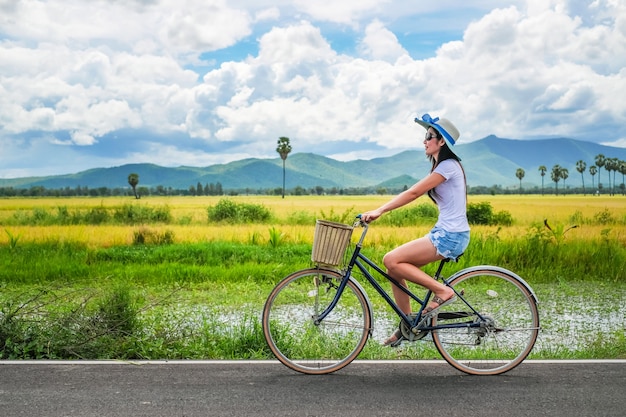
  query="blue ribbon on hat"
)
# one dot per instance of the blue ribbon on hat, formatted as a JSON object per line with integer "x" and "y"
{"x": 427, "y": 119}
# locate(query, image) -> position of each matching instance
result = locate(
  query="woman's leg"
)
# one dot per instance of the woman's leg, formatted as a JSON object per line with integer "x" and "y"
{"x": 404, "y": 263}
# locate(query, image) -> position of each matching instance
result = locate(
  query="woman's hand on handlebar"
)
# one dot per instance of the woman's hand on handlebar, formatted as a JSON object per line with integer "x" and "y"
{"x": 370, "y": 216}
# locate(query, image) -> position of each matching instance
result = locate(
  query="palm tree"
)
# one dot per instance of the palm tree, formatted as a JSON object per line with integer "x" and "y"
{"x": 600, "y": 159}
{"x": 608, "y": 166}
{"x": 542, "y": 170}
{"x": 580, "y": 167}
{"x": 593, "y": 170}
{"x": 622, "y": 170}
{"x": 564, "y": 174}
{"x": 520, "y": 174}
{"x": 283, "y": 149}
{"x": 133, "y": 180}
{"x": 614, "y": 168}
{"x": 556, "y": 177}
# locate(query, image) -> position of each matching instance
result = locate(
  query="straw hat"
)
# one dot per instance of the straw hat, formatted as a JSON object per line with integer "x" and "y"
{"x": 444, "y": 126}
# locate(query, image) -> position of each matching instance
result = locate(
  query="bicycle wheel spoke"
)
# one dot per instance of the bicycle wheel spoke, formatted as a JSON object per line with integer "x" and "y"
{"x": 503, "y": 329}
{"x": 290, "y": 322}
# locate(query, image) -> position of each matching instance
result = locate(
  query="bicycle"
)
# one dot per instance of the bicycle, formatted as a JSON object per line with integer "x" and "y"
{"x": 318, "y": 320}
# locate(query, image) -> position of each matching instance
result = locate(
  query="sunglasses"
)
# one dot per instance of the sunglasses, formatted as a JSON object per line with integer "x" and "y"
{"x": 430, "y": 136}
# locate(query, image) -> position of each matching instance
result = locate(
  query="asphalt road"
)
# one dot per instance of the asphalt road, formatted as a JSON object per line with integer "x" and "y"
{"x": 107, "y": 389}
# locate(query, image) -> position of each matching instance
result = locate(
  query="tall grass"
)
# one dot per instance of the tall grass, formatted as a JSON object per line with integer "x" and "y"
{"x": 58, "y": 323}
{"x": 533, "y": 256}
{"x": 166, "y": 280}
{"x": 130, "y": 214}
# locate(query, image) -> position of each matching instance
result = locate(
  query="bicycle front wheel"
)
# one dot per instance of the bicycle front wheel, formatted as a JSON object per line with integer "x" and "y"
{"x": 290, "y": 322}
{"x": 493, "y": 325}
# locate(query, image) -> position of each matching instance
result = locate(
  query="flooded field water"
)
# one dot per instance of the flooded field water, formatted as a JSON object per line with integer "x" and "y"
{"x": 572, "y": 318}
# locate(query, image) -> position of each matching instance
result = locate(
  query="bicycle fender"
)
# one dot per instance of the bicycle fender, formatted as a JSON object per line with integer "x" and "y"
{"x": 496, "y": 269}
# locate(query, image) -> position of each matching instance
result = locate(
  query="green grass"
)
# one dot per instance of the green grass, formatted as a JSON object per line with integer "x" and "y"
{"x": 64, "y": 300}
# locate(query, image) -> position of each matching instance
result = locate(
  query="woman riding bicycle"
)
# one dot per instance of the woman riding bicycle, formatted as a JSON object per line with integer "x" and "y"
{"x": 446, "y": 186}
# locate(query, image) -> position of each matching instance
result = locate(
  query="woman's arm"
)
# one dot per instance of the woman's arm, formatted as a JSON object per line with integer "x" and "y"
{"x": 405, "y": 197}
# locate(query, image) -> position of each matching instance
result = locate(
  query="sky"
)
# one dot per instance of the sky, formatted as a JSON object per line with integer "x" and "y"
{"x": 103, "y": 83}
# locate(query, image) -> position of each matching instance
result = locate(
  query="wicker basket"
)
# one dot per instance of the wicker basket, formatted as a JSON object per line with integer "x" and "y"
{"x": 330, "y": 242}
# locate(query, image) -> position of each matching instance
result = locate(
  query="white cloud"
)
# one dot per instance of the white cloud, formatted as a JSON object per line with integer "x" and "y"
{"x": 193, "y": 25}
{"x": 272, "y": 13}
{"x": 381, "y": 43}
{"x": 82, "y": 138}
{"x": 163, "y": 154}
{"x": 173, "y": 26}
{"x": 75, "y": 73}
{"x": 294, "y": 45}
{"x": 345, "y": 11}
{"x": 515, "y": 75}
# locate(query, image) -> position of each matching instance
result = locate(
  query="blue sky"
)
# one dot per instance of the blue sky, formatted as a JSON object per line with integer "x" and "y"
{"x": 102, "y": 83}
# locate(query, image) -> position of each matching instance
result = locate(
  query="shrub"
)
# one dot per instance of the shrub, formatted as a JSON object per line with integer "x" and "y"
{"x": 12, "y": 239}
{"x": 146, "y": 236}
{"x": 51, "y": 324}
{"x": 301, "y": 218}
{"x": 503, "y": 218}
{"x": 604, "y": 217}
{"x": 410, "y": 215}
{"x": 479, "y": 213}
{"x": 63, "y": 216}
{"x": 224, "y": 210}
{"x": 276, "y": 237}
{"x": 137, "y": 214}
{"x": 117, "y": 314}
{"x": 97, "y": 215}
{"x": 482, "y": 213}
{"x": 161, "y": 214}
{"x": 41, "y": 217}
{"x": 346, "y": 217}
{"x": 254, "y": 213}
{"x": 228, "y": 211}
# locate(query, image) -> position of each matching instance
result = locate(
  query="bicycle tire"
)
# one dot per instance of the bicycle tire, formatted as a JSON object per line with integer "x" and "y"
{"x": 509, "y": 323}
{"x": 289, "y": 321}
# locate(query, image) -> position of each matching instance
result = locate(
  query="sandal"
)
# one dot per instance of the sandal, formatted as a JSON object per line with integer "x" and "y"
{"x": 431, "y": 311}
{"x": 395, "y": 339}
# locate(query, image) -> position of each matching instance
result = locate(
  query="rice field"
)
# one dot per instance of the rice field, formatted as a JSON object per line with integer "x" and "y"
{"x": 201, "y": 296}
{"x": 189, "y": 218}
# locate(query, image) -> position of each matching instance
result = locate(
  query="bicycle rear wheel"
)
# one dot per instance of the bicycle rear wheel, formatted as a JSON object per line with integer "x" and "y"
{"x": 289, "y": 324}
{"x": 508, "y": 322}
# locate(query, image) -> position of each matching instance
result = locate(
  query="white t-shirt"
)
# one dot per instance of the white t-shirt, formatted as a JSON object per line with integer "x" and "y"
{"x": 451, "y": 198}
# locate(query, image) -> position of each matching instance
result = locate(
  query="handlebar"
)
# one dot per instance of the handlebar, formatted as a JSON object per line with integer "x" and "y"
{"x": 364, "y": 225}
{"x": 359, "y": 221}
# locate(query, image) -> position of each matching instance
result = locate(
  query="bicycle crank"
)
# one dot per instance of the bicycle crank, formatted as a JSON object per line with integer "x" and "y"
{"x": 413, "y": 334}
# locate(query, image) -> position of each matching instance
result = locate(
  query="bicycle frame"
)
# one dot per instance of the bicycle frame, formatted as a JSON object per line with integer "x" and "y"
{"x": 357, "y": 259}
{"x": 489, "y": 329}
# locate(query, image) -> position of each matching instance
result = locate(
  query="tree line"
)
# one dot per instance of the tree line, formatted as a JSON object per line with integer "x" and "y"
{"x": 83, "y": 191}
{"x": 558, "y": 173}
{"x": 193, "y": 190}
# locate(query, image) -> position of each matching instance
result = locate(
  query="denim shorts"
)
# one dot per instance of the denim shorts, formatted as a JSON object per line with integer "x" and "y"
{"x": 450, "y": 245}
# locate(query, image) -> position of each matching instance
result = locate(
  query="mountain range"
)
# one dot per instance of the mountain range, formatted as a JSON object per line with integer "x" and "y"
{"x": 489, "y": 161}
